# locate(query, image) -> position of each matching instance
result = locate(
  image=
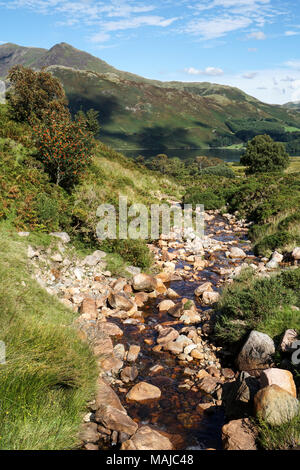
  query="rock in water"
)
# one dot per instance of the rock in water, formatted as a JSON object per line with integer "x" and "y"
{"x": 275, "y": 405}
{"x": 239, "y": 435}
{"x": 147, "y": 438}
{"x": 143, "y": 392}
{"x": 256, "y": 352}
{"x": 144, "y": 282}
{"x": 236, "y": 252}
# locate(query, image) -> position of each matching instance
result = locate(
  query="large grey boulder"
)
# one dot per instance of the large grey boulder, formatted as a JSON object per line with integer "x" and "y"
{"x": 275, "y": 405}
{"x": 256, "y": 353}
{"x": 64, "y": 237}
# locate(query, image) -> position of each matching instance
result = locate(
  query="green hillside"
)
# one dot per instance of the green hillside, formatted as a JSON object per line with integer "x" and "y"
{"x": 139, "y": 113}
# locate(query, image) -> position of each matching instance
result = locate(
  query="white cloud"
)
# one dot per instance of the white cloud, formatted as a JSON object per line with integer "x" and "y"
{"x": 210, "y": 71}
{"x": 216, "y": 27}
{"x": 249, "y": 75}
{"x": 291, "y": 33}
{"x": 259, "y": 35}
{"x": 294, "y": 64}
{"x": 252, "y": 49}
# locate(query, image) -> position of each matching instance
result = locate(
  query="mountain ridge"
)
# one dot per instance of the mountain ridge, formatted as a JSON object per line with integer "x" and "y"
{"x": 137, "y": 112}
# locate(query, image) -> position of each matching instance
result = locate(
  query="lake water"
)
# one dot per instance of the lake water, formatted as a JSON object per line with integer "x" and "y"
{"x": 228, "y": 155}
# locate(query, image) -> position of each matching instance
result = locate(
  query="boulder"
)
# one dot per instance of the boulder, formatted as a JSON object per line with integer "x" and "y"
{"x": 120, "y": 301}
{"x": 63, "y": 236}
{"x": 93, "y": 259}
{"x": 105, "y": 396}
{"x": 144, "y": 282}
{"x": 282, "y": 378}
{"x": 239, "y": 434}
{"x": 275, "y": 405}
{"x": 103, "y": 346}
{"x": 133, "y": 353}
{"x": 238, "y": 395}
{"x": 147, "y": 438}
{"x": 296, "y": 253}
{"x": 115, "y": 420}
{"x": 206, "y": 287}
{"x": 88, "y": 433}
{"x": 129, "y": 374}
{"x": 256, "y": 352}
{"x": 210, "y": 298}
{"x": 276, "y": 258}
{"x": 31, "y": 253}
{"x": 236, "y": 252}
{"x": 110, "y": 329}
{"x": 143, "y": 391}
{"x": 289, "y": 337}
{"x": 165, "y": 305}
{"x": 208, "y": 384}
{"x": 167, "y": 335}
{"x": 88, "y": 306}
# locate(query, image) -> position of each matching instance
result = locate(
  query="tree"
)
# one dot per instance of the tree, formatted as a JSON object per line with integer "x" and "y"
{"x": 91, "y": 117}
{"x": 264, "y": 155}
{"x": 33, "y": 93}
{"x": 64, "y": 146}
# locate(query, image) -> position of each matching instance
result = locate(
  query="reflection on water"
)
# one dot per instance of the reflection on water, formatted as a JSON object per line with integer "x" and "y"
{"x": 227, "y": 155}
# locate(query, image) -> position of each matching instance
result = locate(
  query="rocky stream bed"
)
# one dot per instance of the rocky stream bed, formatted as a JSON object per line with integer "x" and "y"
{"x": 162, "y": 381}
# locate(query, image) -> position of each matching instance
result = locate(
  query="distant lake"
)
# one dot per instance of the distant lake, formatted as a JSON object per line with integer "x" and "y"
{"x": 228, "y": 155}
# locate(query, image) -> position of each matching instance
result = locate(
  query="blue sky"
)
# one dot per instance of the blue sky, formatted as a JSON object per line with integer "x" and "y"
{"x": 251, "y": 44}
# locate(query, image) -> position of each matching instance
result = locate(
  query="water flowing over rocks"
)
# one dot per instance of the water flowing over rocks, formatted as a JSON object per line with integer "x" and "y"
{"x": 162, "y": 383}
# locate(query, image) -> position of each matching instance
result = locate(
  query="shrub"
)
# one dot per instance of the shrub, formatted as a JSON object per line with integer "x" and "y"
{"x": 32, "y": 93}
{"x": 250, "y": 302}
{"x": 264, "y": 155}
{"x": 208, "y": 198}
{"x": 219, "y": 170}
{"x": 64, "y": 146}
{"x": 136, "y": 252}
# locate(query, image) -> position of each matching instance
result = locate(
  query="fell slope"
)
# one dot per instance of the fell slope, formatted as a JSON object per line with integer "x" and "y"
{"x": 136, "y": 112}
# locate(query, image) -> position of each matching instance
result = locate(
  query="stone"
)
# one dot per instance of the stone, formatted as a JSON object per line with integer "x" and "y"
{"x": 133, "y": 270}
{"x": 88, "y": 433}
{"x": 239, "y": 434}
{"x": 115, "y": 420}
{"x": 256, "y": 352}
{"x": 206, "y": 287}
{"x": 90, "y": 446}
{"x": 143, "y": 391}
{"x": 129, "y": 374}
{"x": 174, "y": 347}
{"x": 296, "y": 253}
{"x": 228, "y": 373}
{"x": 140, "y": 298}
{"x": 282, "y": 378}
{"x": 119, "y": 351}
{"x": 275, "y": 405}
{"x": 78, "y": 274}
{"x": 289, "y": 337}
{"x": 133, "y": 353}
{"x": 103, "y": 346}
{"x": 109, "y": 329}
{"x": 167, "y": 335}
{"x": 89, "y": 307}
{"x": 93, "y": 259}
{"x": 238, "y": 395}
{"x": 210, "y": 298}
{"x": 31, "y": 253}
{"x": 144, "y": 282}
{"x": 106, "y": 396}
{"x": 172, "y": 294}
{"x": 236, "y": 252}
{"x": 165, "y": 305}
{"x": 147, "y": 438}
{"x": 63, "y": 236}
{"x": 208, "y": 384}
{"x": 57, "y": 258}
{"x": 111, "y": 364}
{"x": 120, "y": 301}
{"x": 23, "y": 234}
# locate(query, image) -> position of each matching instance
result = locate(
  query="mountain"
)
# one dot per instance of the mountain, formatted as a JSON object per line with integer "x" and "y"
{"x": 140, "y": 113}
{"x": 293, "y": 105}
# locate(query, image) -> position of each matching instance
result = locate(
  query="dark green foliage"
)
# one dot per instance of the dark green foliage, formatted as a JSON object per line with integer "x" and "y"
{"x": 250, "y": 302}
{"x": 264, "y": 155}
{"x": 32, "y": 93}
{"x": 208, "y": 198}
{"x": 274, "y": 242}
{"x": 219, "y": 170}
{"x": 91, "y": 120}
{"x": 134, "y": 252}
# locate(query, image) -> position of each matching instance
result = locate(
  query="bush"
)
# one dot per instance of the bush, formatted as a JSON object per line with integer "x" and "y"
{"x": 32, "y": 93}
{"x": 64, "y": 146}
{"x": 264, "y": 155}
{"x": 219, "y": 170}
{"x": 253, "y": 303}
{"x": 208, "y": 198}
{"x": 134, "y": 252}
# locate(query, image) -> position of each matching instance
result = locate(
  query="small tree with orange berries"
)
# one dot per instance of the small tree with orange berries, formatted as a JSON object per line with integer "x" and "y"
{"x": 64, "y": 146}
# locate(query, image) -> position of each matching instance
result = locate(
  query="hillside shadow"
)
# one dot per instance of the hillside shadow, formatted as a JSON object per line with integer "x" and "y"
{"x": 107, "y": 106}
{"x": 163, "y": 138}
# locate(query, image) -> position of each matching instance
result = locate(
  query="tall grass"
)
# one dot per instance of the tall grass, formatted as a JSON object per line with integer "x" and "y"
{"x": 49, "y": 373}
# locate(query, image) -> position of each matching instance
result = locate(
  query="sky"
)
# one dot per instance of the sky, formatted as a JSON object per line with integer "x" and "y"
{"x": 251, "y": 44}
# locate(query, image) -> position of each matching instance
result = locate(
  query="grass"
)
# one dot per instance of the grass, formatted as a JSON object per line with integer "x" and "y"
{"x": 263, "y": 304}
{"x": 49, "y": 374}
{"x": 283, "y": 437}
